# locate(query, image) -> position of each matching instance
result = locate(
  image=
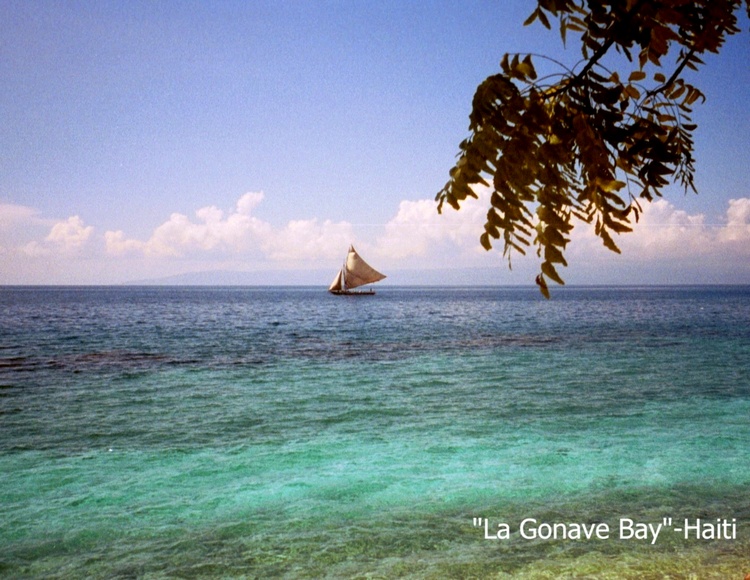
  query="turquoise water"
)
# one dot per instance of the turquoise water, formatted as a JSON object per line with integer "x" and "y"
{"x": 285, "y": 432}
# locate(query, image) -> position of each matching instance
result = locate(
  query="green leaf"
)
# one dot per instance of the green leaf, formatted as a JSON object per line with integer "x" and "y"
{"x": 518, "y": 248}
{"x": 542, "y": 286}
{"x": 619, "y": 227}
{"x": 553, "y": 255}
{"x": 610, "y": 185}
{"x": 677, "y": 92}
{"x": 583, "y": 143}
{"x": 694, "y": 95}
{"x": 632, "y": 92}
{"x": 532, "y": 17}
{"x": 637, "y": 75}
{"x": 608, "y": 241}
{"x": 549, "y": 270}
{"x": 529, "y": 67}
{"x": 543, "y": 20}
{"x": 504, "y": 64}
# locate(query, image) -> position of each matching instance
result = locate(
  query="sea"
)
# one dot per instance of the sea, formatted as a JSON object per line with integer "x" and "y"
{"x": 424, "y": 432}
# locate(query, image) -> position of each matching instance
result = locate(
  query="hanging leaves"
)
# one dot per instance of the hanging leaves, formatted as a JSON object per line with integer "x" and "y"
{"x": 588, "y": 146}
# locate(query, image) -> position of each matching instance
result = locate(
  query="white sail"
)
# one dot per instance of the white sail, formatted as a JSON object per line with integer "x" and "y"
{"x": 358, "y": 272}
{"x": 355, "y": 272}
{"x": 336, "y": 284}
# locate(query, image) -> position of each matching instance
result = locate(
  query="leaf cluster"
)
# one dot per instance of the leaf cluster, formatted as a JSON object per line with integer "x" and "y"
{"x": 587, "y": 143}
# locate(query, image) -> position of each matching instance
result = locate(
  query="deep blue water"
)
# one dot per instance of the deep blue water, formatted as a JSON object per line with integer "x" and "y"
{"x": 286, "y": 432}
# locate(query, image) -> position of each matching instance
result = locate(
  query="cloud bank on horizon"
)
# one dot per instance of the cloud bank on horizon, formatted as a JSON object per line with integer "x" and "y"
{"x": 667, "y": 245}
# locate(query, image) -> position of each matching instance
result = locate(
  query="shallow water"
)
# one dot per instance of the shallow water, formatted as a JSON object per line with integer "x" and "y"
{"x": 285, "y": 432}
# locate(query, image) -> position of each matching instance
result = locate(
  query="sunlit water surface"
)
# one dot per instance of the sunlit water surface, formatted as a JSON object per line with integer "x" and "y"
{"x": 285, "y": 432}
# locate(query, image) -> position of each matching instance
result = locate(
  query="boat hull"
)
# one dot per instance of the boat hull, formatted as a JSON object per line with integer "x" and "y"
{"x": 352, "y": 292}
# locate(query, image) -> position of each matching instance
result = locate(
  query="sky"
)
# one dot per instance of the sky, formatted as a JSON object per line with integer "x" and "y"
{"x": 145, "y": 140}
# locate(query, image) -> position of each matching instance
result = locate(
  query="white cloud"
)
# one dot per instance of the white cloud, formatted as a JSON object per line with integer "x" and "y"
{"x": 665, "y": 232}
{"x": 19, "y": 225}
{"x": 309, "y": 240}
{"x": 417, "y": 228}
{"x": 248, "y": 202}
{"x": 70, "y": 234}
{"x": 11, "y": 214}
{"x": 416, "y": 237}
{"x": 36, "y": 250}
{"x": 667, "y": 246}
{"x": 22, "y": 231}
{"x": 116, "y": 243}
{"x": 738, "y": 222}
{"x": 238, "y": 233}
{"x": 664, "y": 236}
{"x": 211, "y": 232}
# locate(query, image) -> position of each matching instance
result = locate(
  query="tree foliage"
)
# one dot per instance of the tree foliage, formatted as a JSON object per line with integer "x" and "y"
{"x": 588, "y": 143}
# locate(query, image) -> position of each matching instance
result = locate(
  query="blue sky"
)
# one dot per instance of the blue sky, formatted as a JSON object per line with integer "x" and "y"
{"x": 145, "y": 139}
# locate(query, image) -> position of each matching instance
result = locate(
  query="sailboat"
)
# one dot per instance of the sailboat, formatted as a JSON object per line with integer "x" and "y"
{"x": 354, "y": 273}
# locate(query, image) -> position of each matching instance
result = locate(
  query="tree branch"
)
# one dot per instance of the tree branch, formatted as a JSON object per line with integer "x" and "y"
{"x": 593, "y": 61}
{"x": 675, "y": 75}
